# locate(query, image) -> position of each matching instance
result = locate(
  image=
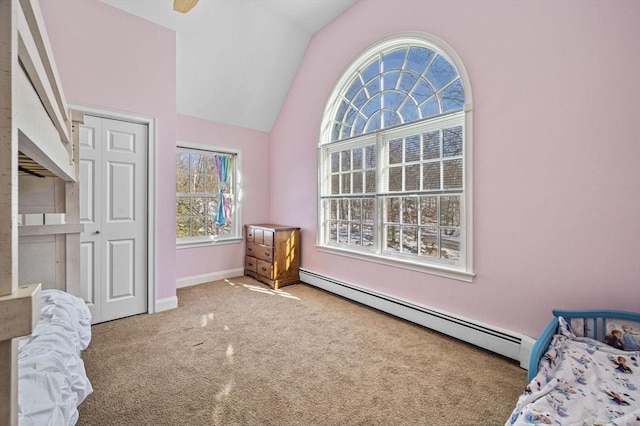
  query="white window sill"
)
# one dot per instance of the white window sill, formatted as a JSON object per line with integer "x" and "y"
{"x": 442, "y": 271}
{"x": 186, "y": 243}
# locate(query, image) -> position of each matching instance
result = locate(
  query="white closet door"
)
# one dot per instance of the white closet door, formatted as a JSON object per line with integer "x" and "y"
{"x": 113, "y": 200}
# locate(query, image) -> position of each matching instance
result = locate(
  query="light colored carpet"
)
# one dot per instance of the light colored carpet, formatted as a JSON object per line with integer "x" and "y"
{"x": 236, "y": 353}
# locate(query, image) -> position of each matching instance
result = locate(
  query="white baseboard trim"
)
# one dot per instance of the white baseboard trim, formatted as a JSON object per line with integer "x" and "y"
{"x": 500, "y": 341}
{"x": 166, "y": 304}
{"x": 205, "y": 278}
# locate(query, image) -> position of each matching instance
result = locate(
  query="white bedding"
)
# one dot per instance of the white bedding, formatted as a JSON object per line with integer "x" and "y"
{"x": 582, "y": 381}
{"x": 51, "y": 377}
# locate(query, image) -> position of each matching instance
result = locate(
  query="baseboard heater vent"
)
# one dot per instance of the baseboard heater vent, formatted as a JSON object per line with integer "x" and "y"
{"x": 494, "y": 339}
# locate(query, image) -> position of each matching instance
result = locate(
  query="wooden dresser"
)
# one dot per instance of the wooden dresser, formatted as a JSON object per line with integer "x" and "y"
{"x": 272, "y": 254}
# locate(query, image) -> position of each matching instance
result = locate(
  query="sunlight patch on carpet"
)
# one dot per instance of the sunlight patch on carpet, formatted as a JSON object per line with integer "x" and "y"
{"x": 270, "y": 292}
{"x": 205, "y": 319}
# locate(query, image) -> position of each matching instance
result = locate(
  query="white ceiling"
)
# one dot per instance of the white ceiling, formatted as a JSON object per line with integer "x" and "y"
{"x": 237, "y": 58}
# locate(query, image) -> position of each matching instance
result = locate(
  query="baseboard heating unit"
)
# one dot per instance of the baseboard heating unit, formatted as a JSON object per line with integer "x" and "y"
{"x": 504, "y": 342}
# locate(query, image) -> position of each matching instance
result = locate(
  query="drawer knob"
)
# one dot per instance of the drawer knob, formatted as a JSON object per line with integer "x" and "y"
{"x": 249, "y": 249}
{"x": 267, "y": 253}
{"x": 264, "y": 269}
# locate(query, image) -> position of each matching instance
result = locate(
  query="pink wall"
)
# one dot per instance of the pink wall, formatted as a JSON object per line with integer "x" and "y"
{"x": 111, "y": 59}
{"x": 556, "y": 149}
{"x": 254, "y": 147}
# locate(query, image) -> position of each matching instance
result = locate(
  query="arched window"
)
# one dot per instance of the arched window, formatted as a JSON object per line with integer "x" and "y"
{"x": 395, "y": 159}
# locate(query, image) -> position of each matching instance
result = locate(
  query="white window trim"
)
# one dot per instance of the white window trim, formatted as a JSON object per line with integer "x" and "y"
{"x": 464, "y": 272}
{"x": 205, "y": 241}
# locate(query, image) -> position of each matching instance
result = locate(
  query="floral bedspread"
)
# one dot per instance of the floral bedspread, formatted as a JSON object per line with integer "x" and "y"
{"x": 582, "y": 381}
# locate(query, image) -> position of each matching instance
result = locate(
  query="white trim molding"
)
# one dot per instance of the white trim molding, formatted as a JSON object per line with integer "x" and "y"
{"x": 504, "y": 342}
{"x": 166, "y": 304}
{"x": 209, "y": 277}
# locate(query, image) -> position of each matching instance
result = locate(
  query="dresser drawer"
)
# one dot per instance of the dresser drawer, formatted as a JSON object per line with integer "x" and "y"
{"x": 260, "y": 251}
{"x": 251, "y": 264}
{"x": 265, "y": 269}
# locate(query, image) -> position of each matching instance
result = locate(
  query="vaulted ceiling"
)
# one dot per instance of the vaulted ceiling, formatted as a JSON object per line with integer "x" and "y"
{"x": 237, "y": 58}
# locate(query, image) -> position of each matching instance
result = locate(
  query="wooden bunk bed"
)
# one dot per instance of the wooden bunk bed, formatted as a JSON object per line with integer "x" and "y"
{"x": 38, "y": 137}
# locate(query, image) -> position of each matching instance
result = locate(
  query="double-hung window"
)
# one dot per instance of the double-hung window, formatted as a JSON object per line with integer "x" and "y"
{"x": 207, "y": 207}
{"x": 395, "y": 163}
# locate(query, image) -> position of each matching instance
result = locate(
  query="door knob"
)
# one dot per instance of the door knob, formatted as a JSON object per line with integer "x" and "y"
{"x": 97, "y": 232}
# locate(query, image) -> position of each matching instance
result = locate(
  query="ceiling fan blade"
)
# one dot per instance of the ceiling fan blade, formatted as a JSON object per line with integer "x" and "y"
{"x": 183, "y": 6}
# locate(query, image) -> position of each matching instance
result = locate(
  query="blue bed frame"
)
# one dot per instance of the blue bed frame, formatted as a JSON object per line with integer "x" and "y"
{"x": 595, "y": 318}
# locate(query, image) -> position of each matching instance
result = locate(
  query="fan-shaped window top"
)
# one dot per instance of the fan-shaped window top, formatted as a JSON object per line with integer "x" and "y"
{"x": 397, "y": 87}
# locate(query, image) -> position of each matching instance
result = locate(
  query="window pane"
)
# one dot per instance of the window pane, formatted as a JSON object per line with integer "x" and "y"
{"x": 356, "y": 209}
{"x": 198, "y": 206}
{"x": 333, "y": 231}
{"x": 392, "y": 240}
{"x": 450, "y": 244}
{"x": 452, "y": 171}
{"x": 356, "y": 85}
{"x": 183, "y": 206}
{"x": 372, "y": 70}
{"x": 422, "y": 91}
{"x": 346, "y": 161}
{"x": 392, "y": 100}
{"x": 357, "y": 158}
{"x": 370, "y": 181}
{"x": 372, "y": 106}
{"x": 197, "y": 173}
{"x": 367, "y": 235}
{"x": 452, "y": 97}
{"x": 429, "y": 211}
{"x": 343, "y": 236}
{"x": 390, "y": 79}
{"x": 429, "y": 242}
{"x": 440, "y": 73}
{"x": 182, "y": 172}
{"x": 430, "y": 108}
{"x": 368, "y": 209}
{"x": 211, "y": 175}
{"x": 395, "y": 151}
{"x": 431, "y": 176}
{"x": 183, "y": 227}
{"x": 355, "y": 234}
{"x": 392, "y": 206}
{"x": 409, "y": 111}
{"x": 412, "y": 177}
{"x": 343, "y": 213}
{"x": 418, "y": 59}
{"x": 407, "y": 81}
{"x": 391, "y": 118}
{"x": 335, "y": 162}
{"x": 450, "y": 211}
{"x": 409, "y": 210}
{"x": 410, "y": 239}
{"x": 431, "y": 145}
{"x": 452, "y": 142}
{"x": 374, "y": 87}
{"x": 394, "y": 59}
{"x": 211, "y": 206}
{"x": 412, "y": 148}
{"x": 335, "y": 184}
{"x": 370, "y": 157}
{"x": 395, "y": 178}
{"x": 357, "y": 182}
{"x": 345, "y": 131}
{"x": 333, "y": 209}
{"x": 346, "y": 183}
{"x": 199, "y": 229}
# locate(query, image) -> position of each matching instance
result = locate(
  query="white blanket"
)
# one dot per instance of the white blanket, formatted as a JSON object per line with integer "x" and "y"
{"x": 51, "y": 377}
{"x": 582, "y": 382}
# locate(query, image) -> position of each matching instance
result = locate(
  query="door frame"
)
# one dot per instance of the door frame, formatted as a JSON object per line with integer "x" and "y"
{"x": 151, "y": 123}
